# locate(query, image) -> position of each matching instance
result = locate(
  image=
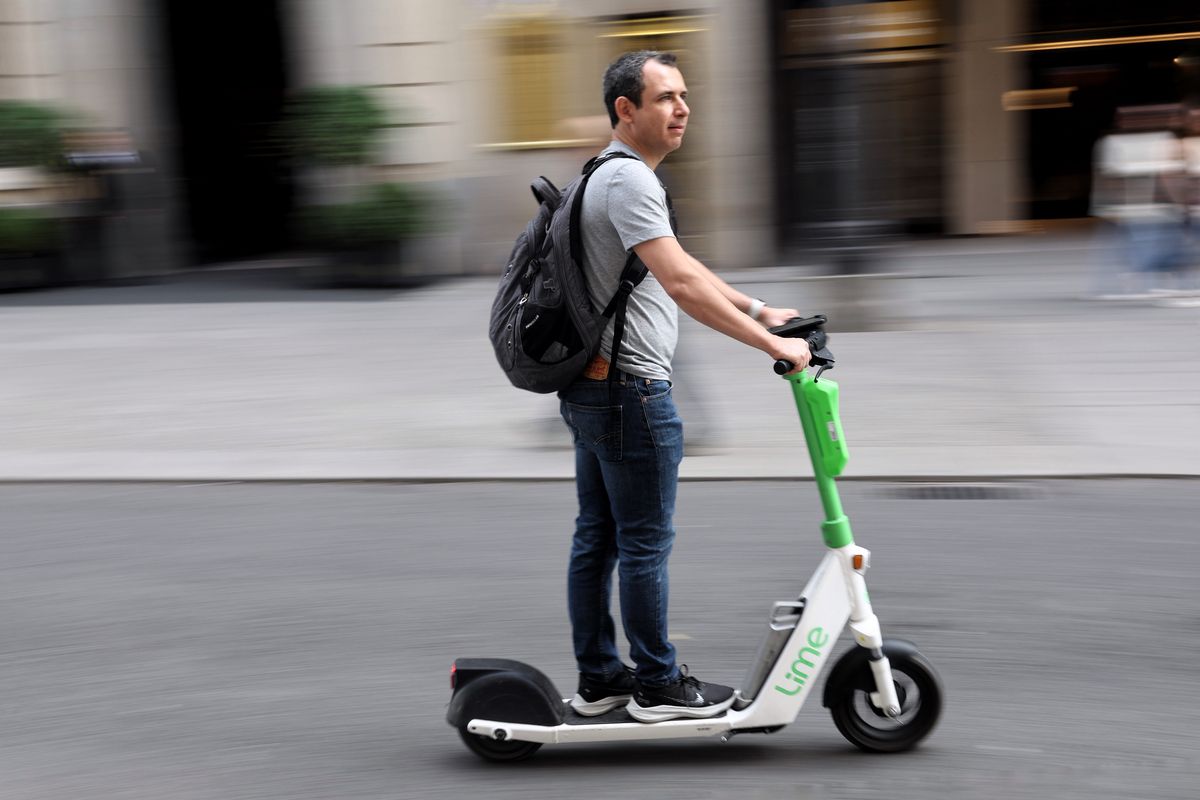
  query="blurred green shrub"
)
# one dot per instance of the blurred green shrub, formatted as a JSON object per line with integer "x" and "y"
{"x": 30, "y": 134}
{"x": 26, "y": 230}
{"x": 387, "y": 212}
{"x": 333, "y": 125}
{"x": 366, "y": 231}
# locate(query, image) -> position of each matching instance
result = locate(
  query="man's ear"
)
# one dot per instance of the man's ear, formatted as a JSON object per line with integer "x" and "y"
{"x": 624, "y": 108}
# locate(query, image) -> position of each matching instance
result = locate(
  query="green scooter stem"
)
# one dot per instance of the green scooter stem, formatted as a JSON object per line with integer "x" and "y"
{"x": 836, "y": 528}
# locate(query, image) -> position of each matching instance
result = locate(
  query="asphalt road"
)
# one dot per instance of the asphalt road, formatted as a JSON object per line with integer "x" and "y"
{"x": 293, "y": 641}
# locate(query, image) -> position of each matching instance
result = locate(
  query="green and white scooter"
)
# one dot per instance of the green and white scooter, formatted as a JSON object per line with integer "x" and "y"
{"x": 884, "y": 695}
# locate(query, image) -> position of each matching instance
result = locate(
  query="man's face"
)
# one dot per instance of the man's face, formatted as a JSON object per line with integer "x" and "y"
{"x": 660, "y": 122}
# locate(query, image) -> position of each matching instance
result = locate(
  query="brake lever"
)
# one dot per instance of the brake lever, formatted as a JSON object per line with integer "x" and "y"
{"x": 823, "y": 359}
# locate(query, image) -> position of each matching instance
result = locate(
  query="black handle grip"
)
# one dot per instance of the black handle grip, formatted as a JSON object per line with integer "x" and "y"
{"x": 821, "y": 357}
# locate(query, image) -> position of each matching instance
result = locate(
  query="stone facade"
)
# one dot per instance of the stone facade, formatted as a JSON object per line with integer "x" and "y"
{"x": 451, "y": 72}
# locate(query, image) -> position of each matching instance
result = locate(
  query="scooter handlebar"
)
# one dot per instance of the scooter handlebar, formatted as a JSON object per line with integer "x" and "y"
{"x": 811, "y": 329}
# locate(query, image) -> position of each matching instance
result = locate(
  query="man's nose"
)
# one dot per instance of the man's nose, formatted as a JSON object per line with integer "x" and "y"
{"x": 681, "y": 109}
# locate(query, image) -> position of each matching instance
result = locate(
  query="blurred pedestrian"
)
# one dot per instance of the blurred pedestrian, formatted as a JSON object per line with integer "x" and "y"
{"x": 627, "y": 454}
{"x": 1138, "y": 189}
{"x": 1189, "y": 268}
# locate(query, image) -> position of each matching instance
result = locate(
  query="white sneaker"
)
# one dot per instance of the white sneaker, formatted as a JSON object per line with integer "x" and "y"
{"x": 1181, "y": 302}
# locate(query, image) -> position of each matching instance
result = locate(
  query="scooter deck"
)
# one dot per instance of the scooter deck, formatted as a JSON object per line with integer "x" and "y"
{"x": 618, "y": 716}
{"x": 616, "y": 725}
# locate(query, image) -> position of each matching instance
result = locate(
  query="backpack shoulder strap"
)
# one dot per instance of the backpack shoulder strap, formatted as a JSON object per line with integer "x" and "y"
{"x": 577, "y": 203}
{"x": 634, "y": 273}
{"x": 598, "y": 161}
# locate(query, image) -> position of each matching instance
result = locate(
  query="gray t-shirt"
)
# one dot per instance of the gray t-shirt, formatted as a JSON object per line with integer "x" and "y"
{"x": 623, "y": 206}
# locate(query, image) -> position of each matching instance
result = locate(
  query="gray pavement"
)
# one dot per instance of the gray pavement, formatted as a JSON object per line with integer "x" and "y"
{"x": 293, "y": 642}
{"x": 979, "y": 358}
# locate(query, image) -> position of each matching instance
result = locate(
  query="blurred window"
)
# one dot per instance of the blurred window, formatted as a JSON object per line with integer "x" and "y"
{"x": 531, "y": 75}
{"x": 651, "y": 32}
{"x": 897, "y": 25}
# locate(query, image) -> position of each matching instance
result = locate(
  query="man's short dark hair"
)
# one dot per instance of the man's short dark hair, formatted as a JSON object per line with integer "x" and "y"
{"x": 623, "y": 78}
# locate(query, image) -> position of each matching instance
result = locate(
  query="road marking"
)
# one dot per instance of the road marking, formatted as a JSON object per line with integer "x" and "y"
{"x": 1002, "y": 749}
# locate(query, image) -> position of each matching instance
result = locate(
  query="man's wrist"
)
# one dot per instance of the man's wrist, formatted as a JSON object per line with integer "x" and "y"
{"x": 756, "y": 308}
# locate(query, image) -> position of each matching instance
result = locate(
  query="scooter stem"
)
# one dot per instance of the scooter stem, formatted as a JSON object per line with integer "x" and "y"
{"x": 817, "y": 404}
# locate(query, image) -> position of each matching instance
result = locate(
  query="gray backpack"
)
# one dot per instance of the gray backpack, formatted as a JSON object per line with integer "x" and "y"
{"x": 543, "y": 326}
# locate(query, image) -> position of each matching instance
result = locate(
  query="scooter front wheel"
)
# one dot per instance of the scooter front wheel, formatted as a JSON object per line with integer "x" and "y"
{"x": 495, "y": 750}
{"x": 868, "y": 728}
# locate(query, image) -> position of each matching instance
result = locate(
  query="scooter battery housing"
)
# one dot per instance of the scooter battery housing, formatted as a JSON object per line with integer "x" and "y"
{"x": 821, "y": 397}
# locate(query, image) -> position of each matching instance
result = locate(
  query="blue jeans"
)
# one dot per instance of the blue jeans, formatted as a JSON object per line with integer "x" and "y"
{"x": 626, "y": 472}
{"x": 1154, "y": 248}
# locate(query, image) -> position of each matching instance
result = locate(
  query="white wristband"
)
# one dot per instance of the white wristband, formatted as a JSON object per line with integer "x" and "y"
{"x": 756, "y": 307}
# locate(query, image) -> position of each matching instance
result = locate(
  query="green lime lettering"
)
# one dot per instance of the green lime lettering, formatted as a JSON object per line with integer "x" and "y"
{"x": 817, "y": 638}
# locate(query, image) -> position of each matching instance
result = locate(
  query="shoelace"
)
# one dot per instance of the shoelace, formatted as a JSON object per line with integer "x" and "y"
{"x": 686, "y": 678}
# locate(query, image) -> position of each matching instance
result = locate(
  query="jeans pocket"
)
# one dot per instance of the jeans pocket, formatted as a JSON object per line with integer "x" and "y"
{"x": 652, "y": 390}
{"x": 596, "y": 428}
{"x": 662, "y": 420}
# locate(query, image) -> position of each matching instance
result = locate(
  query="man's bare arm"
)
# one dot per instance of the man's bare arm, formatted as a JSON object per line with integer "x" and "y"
{"x": 698, "y": 292}
{"x": 769, "y": 316}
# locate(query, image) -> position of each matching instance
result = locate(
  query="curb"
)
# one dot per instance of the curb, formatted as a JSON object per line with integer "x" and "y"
{"x": 898, "y": 479}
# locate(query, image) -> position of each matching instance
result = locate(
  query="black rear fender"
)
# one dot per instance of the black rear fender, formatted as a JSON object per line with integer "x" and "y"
{"x": 503, "y": 690}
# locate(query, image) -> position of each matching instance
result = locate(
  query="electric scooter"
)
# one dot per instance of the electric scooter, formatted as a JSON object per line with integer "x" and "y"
{"x": 883, "y": 694}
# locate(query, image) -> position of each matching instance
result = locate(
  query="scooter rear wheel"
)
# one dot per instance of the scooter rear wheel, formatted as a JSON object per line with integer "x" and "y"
{"x": 868, "y": 728}
{"x": 495, "y": 750}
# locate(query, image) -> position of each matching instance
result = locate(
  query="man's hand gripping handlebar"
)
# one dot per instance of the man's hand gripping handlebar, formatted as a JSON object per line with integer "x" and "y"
{"x": 811, "y": 330}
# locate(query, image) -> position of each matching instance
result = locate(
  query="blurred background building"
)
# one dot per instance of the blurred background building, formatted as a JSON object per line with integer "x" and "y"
{"x": 813, "y": 120}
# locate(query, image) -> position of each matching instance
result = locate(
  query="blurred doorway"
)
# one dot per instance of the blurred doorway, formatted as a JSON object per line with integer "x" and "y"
{"x": 859, "y": 110}
{"x": 227, "y": 84}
